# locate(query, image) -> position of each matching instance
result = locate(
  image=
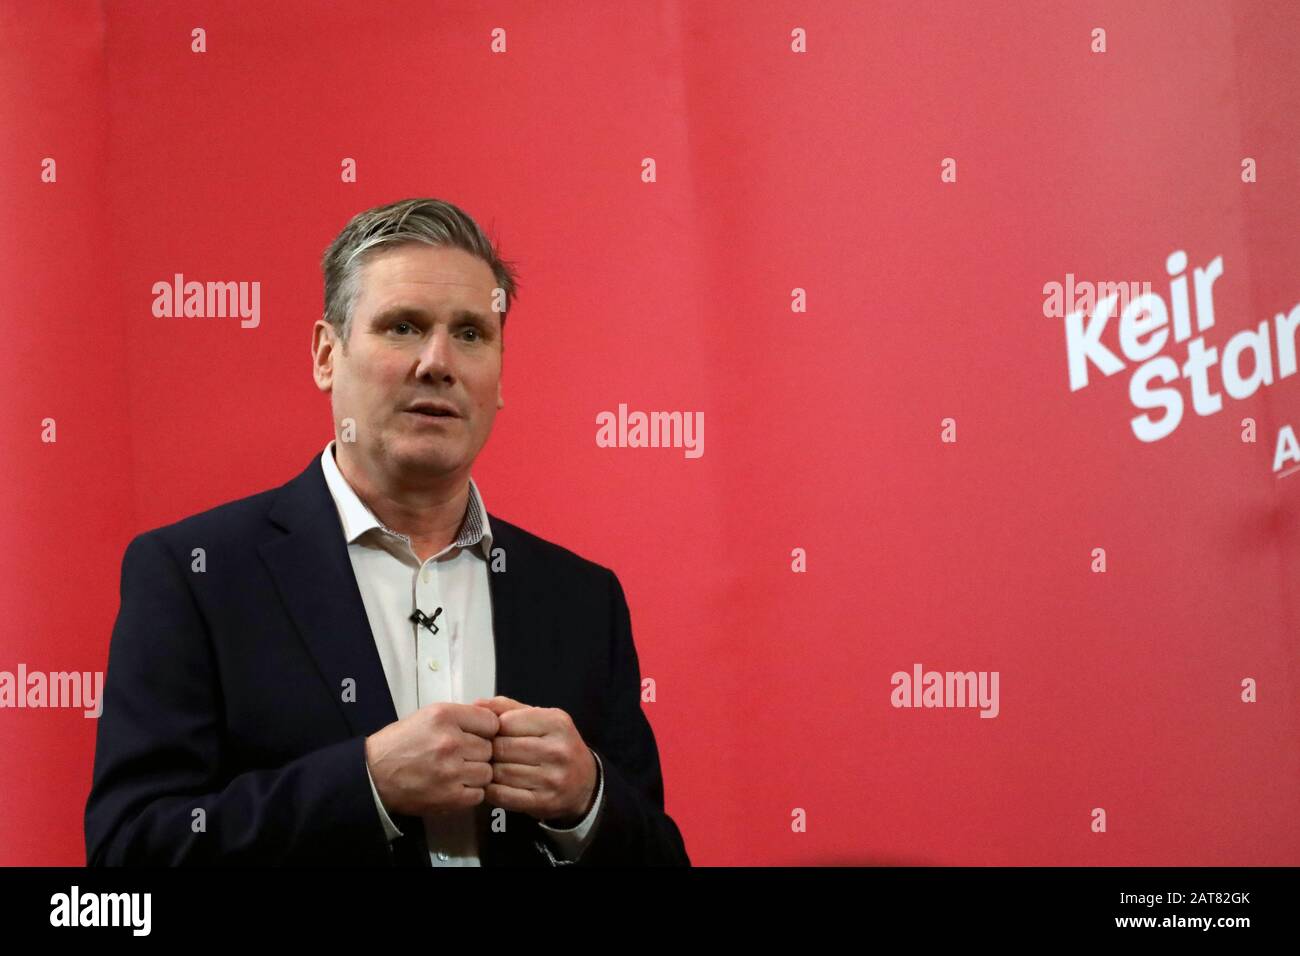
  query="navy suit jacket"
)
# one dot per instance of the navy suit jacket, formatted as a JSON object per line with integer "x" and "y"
{"x": 225, "y": 693}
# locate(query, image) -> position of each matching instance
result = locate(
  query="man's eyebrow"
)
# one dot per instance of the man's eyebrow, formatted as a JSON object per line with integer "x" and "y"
{"x": 393, "y": 313}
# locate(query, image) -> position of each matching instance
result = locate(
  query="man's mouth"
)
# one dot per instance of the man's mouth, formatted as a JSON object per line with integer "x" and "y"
{"x": 433, "y": 410}
{"x": 431, "y": 419}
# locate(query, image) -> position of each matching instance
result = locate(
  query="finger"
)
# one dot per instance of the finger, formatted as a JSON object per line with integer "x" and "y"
{"x": 499, "y": 705}
{"x": 472, "y": 796}
{"x": 517, "y": 775}
{"x": 478, "y": 774}
{"x": 478, "y": 720}
{"x": 474, "y": 747}
{"x": 511, "y": 798}
{"x": 522, "y": 750}
{"x": 531, "y": 722}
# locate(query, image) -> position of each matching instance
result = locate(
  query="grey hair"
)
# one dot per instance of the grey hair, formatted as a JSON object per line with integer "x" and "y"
{"x": 431, "y": 221}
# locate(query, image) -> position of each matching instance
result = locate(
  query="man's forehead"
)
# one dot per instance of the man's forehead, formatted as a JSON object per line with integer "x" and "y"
{"x": 423, "y": 278}
{"x": 429, "y": 265}
{"x": 408, "y": 286}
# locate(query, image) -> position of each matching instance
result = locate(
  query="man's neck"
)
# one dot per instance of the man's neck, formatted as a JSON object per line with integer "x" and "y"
{"x": 430, "y": 514}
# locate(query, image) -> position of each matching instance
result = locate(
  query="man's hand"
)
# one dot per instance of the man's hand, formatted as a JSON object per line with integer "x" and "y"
{"x": 433, "y": 760}
{"x": 540, "y": 765}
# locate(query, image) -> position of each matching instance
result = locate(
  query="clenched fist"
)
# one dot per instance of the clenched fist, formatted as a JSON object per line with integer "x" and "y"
{"x": 433, "y": 760}
{"x": 540, "y": 765}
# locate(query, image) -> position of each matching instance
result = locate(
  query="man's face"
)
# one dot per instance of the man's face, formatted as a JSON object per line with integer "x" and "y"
{"x": 423, "y": 329}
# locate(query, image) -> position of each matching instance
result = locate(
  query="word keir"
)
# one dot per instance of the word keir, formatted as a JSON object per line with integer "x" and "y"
{"x": 1144, "y": 331}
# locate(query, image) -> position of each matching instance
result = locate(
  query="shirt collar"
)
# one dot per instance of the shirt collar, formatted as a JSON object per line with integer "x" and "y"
{"x": 357, "y": 518}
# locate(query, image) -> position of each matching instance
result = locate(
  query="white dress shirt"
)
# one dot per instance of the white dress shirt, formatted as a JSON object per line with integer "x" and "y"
{"x": 457, "y": 664}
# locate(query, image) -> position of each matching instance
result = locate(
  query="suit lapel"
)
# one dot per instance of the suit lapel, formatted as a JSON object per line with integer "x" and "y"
{"x": 314, "y": 576}
{"x": 521, "y": 635}
{"x": 511, "y": 670}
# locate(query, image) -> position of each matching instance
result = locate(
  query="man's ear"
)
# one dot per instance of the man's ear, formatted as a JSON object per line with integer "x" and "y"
{"x": 322, "y": 355}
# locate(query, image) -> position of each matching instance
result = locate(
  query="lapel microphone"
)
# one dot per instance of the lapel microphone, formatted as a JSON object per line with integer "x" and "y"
{"x": 419, "y": 617}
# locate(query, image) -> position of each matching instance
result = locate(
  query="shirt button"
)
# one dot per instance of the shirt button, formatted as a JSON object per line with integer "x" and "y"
{"x": 433, "y": 665}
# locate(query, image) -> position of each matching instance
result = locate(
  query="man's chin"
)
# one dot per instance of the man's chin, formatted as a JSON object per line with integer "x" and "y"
{"x": 425, "y": 458}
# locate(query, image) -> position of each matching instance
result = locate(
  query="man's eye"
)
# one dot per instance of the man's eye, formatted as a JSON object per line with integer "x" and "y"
{"x": 474, "y": 330}
{"x": 399, "y": 325}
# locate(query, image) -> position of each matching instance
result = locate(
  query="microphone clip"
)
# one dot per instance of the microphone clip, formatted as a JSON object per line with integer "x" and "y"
{"x": 424, "y": 620}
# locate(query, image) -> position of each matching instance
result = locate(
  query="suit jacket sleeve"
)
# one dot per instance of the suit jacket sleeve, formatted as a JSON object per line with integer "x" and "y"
{"x": 161, "y": 748}
{"x": 633, "y": 828}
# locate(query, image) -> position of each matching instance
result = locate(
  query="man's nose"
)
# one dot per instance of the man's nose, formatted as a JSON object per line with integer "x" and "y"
{"x": 435, "y": 354}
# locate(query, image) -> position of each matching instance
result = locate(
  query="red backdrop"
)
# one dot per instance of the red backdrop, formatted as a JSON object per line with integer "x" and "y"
{"x": 777, "y": 166}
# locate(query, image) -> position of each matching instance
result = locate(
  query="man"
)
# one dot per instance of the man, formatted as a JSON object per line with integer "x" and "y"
{"x": 363, "y": 666}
